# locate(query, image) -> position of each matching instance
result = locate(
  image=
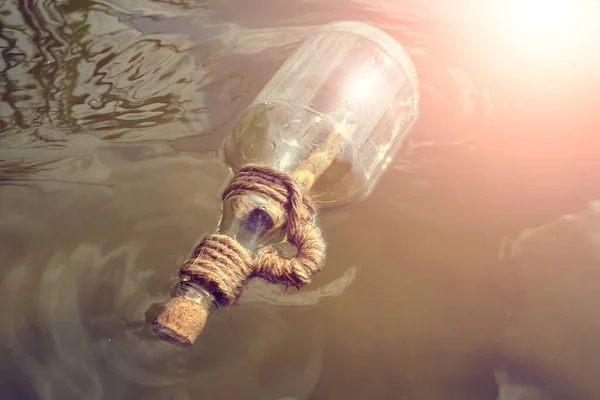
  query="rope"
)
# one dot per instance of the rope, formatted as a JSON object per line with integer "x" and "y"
{"x": 222, "y": 266}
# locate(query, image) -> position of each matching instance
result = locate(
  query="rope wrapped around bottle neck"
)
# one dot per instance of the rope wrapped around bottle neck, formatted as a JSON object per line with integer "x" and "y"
{"x": 222, "y": 266}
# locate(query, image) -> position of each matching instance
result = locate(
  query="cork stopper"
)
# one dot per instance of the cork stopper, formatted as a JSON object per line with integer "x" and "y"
{"x": 181, "y": 321}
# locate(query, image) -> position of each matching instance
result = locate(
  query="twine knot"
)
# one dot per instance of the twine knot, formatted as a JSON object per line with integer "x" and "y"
{"x": 223, "y": 266}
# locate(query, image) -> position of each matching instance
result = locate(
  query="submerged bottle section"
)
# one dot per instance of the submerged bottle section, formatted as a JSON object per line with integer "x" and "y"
{"x": 298, "y": 140}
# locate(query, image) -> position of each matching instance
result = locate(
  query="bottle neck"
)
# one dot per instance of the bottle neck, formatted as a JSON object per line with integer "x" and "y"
{"x": 251, "y": 219}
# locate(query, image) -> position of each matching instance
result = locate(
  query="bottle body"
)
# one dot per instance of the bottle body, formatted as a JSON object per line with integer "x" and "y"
{"x": 338, "y": 110}
{"x": 333, "y": 117}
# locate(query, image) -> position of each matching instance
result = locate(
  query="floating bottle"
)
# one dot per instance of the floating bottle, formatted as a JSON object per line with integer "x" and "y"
{"x": 320, "y": 134}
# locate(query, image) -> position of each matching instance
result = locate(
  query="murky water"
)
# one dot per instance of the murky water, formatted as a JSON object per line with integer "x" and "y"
{"x": 474, "y": 265}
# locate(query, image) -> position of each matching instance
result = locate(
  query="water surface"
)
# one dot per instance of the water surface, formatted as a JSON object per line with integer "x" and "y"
{"x": 474, "y": 263}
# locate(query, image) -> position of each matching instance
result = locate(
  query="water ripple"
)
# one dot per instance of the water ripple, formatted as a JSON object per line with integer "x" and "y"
{"x": 70, "y": 71}
{"x": 79, "y": 290}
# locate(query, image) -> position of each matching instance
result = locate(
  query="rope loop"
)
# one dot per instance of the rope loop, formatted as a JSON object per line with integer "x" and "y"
{"x": 222, "y": 266}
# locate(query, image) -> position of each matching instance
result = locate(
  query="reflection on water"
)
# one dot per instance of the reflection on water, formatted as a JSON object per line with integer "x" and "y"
{"x": 111, "y": 115}
{"x": 560, "y": 314}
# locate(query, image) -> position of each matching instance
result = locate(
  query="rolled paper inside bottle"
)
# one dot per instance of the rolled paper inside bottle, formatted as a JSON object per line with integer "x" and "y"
{"x": 310, "y": 169}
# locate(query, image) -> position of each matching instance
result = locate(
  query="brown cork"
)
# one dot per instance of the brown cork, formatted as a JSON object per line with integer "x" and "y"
{"x": 181, "y": 321}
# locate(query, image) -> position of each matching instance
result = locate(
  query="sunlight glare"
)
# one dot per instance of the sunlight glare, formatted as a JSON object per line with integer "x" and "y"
{"x": 542, "y": 27}
{"x": 362, "y": 87}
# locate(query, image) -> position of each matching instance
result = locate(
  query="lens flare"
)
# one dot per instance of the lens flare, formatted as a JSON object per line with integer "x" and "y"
{"x": 542, "y": 28}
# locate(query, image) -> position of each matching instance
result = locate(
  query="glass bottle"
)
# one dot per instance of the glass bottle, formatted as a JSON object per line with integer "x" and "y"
{"x": 333, "y": 116}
